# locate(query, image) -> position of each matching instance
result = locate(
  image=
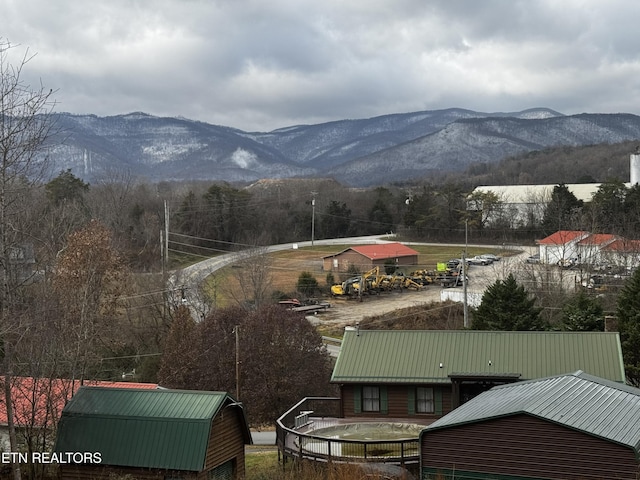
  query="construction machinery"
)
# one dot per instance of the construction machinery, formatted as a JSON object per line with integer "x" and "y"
{"x": 373, "y": 282}
{"x": 367, "y": 282}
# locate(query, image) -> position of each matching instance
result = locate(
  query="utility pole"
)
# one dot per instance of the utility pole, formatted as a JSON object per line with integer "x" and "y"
{"x": 464, "y": 276}
{"x": 166, "y": 232}
{"x": 236, "y": 330}
{"x": 313, "y": 216}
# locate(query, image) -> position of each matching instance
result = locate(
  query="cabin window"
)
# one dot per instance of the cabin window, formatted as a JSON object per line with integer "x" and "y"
{"x": 424, "y": 400}
{"x": 370, "y": 399}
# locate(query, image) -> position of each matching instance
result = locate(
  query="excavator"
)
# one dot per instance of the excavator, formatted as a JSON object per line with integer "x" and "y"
{"x": 368, "y": 282}
{"x": 373, "y": 282}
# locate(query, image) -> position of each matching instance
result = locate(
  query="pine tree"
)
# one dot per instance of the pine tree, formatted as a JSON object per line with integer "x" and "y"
{"x": 507, "y": 306}
{"x": 628, "y": 311}
{"x": 561, "y": 210}
{"x": 583, "y": 313}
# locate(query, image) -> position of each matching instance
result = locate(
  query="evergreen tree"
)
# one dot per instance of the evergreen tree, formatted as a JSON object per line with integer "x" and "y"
{"x": 336, "y": 220}
{"x": 607, "y": 206}
{"x": 583, "y": 313}
{"x": 628, "y": 312}
{"x": 65, "y": 187}
{"x": 507, "y": 306}
{"x": 380, "y": 217}
{"x": 561, "y": 210}
{"x": 307, "y": 284}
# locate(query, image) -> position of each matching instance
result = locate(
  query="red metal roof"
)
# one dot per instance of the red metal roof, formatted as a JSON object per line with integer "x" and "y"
{"x": 384, "y": 250}
{"x": 623, "y": 245}
{"x": 598, "y": 239}
{"x": 562, "y": 237}
{"x": 39, "y": 402}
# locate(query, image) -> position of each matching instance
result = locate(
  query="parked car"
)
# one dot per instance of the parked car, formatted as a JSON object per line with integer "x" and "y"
{"x": 480, "y": 260}
{"x": 490, "y": 256}
{"x": 533, "y": 258}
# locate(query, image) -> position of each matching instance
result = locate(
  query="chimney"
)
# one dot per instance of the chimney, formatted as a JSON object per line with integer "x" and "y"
{"x": 610, "y": 323}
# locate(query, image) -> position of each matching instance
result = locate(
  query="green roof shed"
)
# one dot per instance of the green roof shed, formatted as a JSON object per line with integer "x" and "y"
{"x": 151, "y": 429}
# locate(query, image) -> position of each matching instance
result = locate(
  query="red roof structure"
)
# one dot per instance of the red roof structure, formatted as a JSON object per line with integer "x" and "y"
{"x": 598, "y": 239}
{"x": 623, "y": 245}
{"x": 384, "y": 250}
{"x": 39, "y": 402}
{"x": 562, "y": 237}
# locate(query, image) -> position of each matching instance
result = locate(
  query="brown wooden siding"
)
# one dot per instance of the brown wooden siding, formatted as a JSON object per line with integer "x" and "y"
{"x": 226, "y": 442}
{"x": 98, "y": 472}
{"x": 526, "y": 446}
{"x": 397, "y": 402}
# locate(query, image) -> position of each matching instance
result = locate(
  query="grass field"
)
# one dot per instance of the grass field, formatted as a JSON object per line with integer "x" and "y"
{"x": 287, "y": 265}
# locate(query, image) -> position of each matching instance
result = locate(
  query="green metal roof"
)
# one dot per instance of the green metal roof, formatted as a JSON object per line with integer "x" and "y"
{"x": 166, "y": 429}
{"x": 428, "y": 356}
{"x": 580, "y": 401}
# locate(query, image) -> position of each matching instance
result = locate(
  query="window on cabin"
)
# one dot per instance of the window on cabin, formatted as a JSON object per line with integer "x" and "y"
{"x": 370, "y": 399}
{"x": 424, "y": 400}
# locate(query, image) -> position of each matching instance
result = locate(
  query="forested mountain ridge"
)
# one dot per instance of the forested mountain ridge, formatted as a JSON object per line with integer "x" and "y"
{"x": 366, "y": 152}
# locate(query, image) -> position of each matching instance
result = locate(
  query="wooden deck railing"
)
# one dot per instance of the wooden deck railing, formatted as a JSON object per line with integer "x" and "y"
{"x": 295, "y": 437}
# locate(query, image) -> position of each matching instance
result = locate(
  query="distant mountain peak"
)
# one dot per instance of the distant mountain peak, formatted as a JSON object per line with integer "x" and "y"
{"x": 363, "y": 152}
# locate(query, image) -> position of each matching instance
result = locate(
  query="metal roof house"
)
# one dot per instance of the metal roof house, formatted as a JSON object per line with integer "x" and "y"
{"x": 416, "y": 377}
{"x": 571, "y": 427}
{"x": 426, "y": 373}
{"x": 153, "y": 434}
{"x": 365, "y": 257}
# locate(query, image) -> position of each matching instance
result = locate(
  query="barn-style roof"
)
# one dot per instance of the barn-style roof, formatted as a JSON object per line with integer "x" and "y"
{"x": 577, "y": 400}
{"x": 380, "y": 251}
{"x": 428, "y": 356}
{"x": 165, "y": 429}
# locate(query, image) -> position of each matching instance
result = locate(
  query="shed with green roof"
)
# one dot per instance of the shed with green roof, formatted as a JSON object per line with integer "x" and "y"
{"x": 153, "y": 434}
{"x": 426, "y": 373}
{"x": 567, "y": 427}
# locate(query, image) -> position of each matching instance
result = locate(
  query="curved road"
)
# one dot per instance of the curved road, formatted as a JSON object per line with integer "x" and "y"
{"x": 188, "y": 280}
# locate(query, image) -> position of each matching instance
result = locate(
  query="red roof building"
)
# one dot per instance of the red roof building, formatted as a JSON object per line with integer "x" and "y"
{"x": 364, "y": 257}
{"x": 38, "y": 403}
{"x": 568, "y": 247}
{"x": 561, "y": 247}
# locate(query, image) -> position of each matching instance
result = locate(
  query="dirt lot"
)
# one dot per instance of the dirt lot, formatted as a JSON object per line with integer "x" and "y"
{"x": 286, "y": 265}
{"x": 345, "y": 312}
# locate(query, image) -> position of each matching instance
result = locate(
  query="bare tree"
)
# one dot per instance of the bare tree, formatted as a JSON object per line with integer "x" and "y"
{"x": 25, "y": 127}
{"x": 252, "y": 275}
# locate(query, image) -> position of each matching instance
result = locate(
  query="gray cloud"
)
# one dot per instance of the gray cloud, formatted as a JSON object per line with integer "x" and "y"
{"x": 259, "y": 65}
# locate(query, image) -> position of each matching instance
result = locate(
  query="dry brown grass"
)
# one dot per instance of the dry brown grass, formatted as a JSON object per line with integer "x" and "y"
{"x": 435, "y": 316}
{"x": 267, "y": 467}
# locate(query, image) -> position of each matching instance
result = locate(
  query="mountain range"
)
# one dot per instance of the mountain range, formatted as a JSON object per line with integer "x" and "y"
{"x": 398, "y": 148}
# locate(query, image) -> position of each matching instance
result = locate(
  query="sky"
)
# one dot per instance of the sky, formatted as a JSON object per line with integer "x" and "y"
{"x": 260, "y": 65}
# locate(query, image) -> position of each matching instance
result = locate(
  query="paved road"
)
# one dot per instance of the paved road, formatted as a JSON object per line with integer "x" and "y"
{"x": 188, "y": 280}
{"x": 263, "y": 437}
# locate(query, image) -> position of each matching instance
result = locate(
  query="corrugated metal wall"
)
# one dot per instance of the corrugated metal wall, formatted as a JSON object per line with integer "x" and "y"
{"x": 525, "y": 446}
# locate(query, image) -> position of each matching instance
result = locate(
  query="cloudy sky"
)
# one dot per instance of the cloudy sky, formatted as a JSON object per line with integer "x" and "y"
{"x": 259, "y": 65}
